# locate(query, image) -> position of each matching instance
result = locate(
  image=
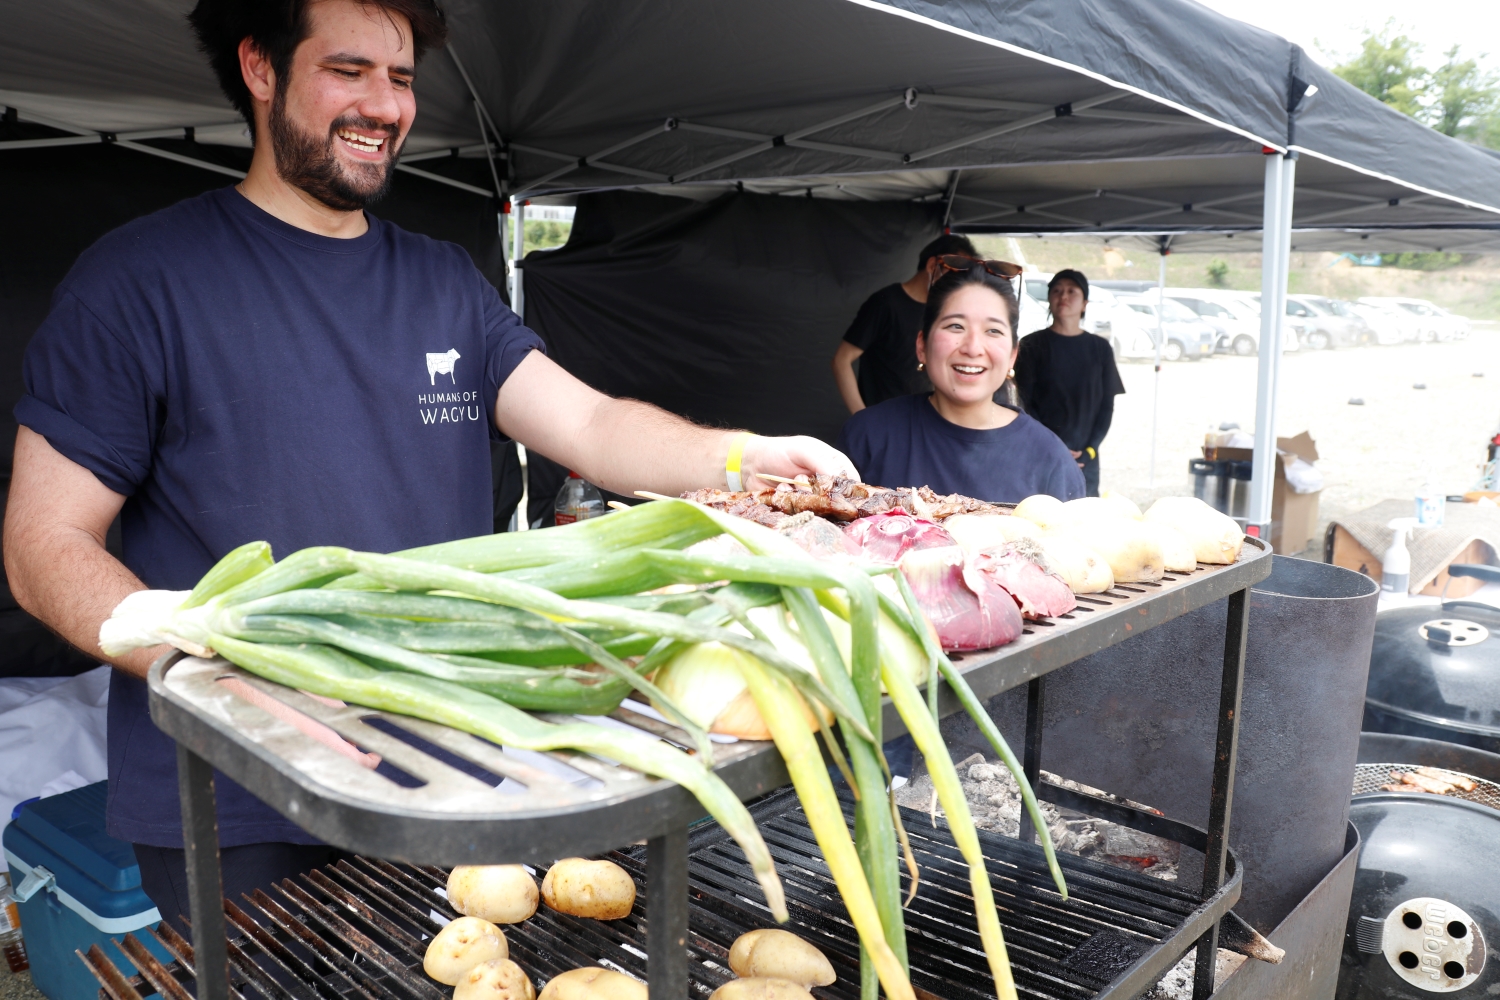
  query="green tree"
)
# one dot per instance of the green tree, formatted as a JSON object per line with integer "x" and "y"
{"x": 1386, "y": 69}
{"x": 1218, "y": 272}
{"x": 1464, "y": 98}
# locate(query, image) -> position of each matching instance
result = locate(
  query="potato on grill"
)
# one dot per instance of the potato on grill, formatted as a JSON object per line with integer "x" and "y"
{"x": 582, "y": 888}
{"x": 463, "y": 944}
{"x": 761, "y": 988}
{"x": 778, "y": 954}
{"x": 501, "y": 894}
{"x": 497, "y": 979}
{"x": 593, "y": 984}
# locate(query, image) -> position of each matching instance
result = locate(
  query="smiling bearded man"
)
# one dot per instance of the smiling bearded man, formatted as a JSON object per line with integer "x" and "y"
{"x": 253, "y": 363}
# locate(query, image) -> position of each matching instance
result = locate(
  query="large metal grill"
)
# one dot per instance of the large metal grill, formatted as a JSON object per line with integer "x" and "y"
{"x": 1370, "y": 777}
{"x": 357, "y": 930}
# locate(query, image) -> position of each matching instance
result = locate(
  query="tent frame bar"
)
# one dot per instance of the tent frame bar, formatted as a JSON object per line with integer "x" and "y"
{"x": 1276, "y": 243}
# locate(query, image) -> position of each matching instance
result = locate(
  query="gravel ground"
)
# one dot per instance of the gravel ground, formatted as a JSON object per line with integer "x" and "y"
{"x": 1384, "y": 449}
{"x": 17, "y": 986}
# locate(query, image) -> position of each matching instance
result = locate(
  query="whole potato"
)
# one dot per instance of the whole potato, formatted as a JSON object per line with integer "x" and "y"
{"x": 497, "y": 979}
{"x": 760, "y": 988}
{"x": 501, "y": 894}
{"x": 582, "y": 888}
{"x": 463, "y": 944}
{"x": 593, "y": 984}
{"x": 777, "y": 954}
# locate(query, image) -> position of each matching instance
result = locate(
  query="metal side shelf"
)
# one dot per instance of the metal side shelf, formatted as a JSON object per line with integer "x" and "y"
{"x": 434, "y": 800}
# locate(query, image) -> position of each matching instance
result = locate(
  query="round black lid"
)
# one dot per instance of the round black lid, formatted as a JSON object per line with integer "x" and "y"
{"x": 1439, "y": 665}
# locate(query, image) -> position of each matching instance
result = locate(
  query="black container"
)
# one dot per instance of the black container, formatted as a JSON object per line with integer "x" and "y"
{"x": 1138, "y": 720}
{"x": 1443, "y": 684}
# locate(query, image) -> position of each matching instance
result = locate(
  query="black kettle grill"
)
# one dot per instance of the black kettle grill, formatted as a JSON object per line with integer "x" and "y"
{"x": 1435, "y": 670}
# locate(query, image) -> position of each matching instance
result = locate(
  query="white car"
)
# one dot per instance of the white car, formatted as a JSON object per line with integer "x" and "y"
{"x": 1237, "y": 323}
{"x": 1387, "y": 327}
{"x": 1186, "y": 337}
{"x": 1427, "y": 321}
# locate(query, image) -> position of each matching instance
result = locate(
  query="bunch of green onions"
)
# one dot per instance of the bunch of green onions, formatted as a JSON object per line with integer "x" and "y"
{"x": 477, "y": 634}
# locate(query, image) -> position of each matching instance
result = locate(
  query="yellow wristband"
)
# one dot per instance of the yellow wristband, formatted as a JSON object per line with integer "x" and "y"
{"x": 1091, "y": 453}
{"x": 732, "y": 463}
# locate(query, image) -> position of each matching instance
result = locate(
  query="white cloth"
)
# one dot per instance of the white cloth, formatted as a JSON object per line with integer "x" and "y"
{"x": 49, "y": 727}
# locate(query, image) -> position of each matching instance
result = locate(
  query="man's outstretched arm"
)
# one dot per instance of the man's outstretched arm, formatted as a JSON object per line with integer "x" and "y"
{"x": 59, "y": 571}
{"x": 624, "y": 445}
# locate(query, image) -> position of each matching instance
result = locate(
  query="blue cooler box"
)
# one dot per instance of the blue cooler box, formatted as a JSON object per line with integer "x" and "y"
{"x": 94, "y": 895}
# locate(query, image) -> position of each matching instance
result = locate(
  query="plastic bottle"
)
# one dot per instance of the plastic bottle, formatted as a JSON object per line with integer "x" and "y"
{"x": 10, "y": 930}
{"x": 1431, "y": 504}
{"x": 1395, "y": 568}
{"x": 577, "y": 500}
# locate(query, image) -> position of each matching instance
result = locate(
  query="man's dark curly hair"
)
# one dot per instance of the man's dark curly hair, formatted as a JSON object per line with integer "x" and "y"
{"x": 277, "y": 27}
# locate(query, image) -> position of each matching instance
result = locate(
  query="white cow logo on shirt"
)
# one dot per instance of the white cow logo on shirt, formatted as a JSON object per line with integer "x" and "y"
{"x": 441, "y": 364}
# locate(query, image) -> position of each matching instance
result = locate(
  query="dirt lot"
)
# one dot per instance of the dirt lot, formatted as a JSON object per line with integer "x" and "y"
{"x": 1402, "y": 436}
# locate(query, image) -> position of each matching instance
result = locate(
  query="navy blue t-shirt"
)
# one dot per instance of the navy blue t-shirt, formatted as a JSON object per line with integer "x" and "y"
{"x": 237, "y": 378}
{"x": 906, "y": 442}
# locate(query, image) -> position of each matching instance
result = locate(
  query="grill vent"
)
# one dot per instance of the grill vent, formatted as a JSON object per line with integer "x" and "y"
{"x": 1369, "y": 935}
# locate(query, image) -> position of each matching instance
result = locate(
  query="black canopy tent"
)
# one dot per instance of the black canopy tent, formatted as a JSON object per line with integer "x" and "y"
{"x": 1023, "y": 116}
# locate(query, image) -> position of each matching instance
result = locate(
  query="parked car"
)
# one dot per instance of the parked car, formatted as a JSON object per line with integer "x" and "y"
{"x": 1298, "y": 324}
{"x": 1105, "y": 317}
{"x": 1385, "y": 326}
{"x": 1437, "y": 322}
{"x": 1186, "y": 336}
{"x": 1237, "y": 325}
{"x": 1326, "y": 329}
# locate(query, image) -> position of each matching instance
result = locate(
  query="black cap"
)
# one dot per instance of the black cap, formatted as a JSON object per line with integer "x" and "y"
{"x": 1076, "y": 277}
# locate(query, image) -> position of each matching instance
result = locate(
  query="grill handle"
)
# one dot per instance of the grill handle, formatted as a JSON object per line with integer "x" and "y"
{"x": 1478, "y": 571}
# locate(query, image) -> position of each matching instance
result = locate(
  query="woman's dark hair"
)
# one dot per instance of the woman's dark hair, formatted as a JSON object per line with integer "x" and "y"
{"x": 1077, "y": 278}
{"x": 946, "y": 244}
{"x": 277, "y": 27}
{"x": 943, "y": 288}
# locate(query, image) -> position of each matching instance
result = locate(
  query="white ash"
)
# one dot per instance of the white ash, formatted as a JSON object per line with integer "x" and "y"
{"x": 1177, "y": 984}
{"x": 995, "y": 801}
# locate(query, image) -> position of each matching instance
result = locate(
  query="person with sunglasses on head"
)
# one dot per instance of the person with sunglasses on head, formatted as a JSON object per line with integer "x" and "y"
{"x": 883, "y": 336}
{"x": 957, "y": 438}
{"x": 1067, "y": 378}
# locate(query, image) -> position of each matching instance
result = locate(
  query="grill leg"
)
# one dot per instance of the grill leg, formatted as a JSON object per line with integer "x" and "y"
{"x": 1031, "y": 760}
{"x": 200, "y": 838}
{"x": 667, "y": 915}
{"x": 1221, "y": 796}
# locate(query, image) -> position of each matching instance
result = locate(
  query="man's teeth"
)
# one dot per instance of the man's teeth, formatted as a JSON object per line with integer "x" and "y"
{"x": 363, "y": 143}
{"x": 968, "y": 369}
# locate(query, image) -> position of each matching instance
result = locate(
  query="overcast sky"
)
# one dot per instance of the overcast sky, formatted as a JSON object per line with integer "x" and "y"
{"x": 1333, "y": 29}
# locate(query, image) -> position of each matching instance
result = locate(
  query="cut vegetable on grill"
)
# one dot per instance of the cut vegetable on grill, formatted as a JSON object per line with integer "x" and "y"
{"x": 726, "y": 627}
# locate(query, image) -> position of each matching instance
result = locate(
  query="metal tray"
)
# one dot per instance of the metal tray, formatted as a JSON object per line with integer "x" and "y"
{"x": 456, "y": 818}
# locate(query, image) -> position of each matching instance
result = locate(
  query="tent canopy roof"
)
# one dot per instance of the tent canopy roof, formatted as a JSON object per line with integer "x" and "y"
{"x": 1029, "y": 115}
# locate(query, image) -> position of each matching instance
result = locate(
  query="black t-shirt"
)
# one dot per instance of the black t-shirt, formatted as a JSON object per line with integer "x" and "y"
{"x": 906, "y": 442}
{"x": 886, "y": 329}
{"x": 1069, "y": 384}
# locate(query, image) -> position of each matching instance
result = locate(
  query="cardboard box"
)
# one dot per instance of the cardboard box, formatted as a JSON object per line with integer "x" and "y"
{"x": 1294, "y": 516}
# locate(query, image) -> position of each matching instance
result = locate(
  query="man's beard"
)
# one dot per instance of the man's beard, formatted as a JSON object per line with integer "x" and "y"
{"x": 310, "y": 163}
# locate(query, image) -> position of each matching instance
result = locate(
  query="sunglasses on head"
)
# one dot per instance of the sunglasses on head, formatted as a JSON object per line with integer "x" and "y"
{"x": 963, "y": 262}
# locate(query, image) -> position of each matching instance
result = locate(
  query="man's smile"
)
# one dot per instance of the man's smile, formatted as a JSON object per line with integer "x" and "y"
{"x": 360, "y": 142}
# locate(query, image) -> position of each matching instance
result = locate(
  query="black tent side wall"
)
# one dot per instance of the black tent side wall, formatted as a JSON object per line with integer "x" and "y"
{"x": 726, "y": 311}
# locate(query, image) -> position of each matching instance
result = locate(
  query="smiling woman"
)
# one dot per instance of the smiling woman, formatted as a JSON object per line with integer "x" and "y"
{"x": 958, "y": 439}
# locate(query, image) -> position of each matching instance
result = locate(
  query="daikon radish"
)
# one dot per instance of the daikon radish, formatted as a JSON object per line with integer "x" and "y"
{"x": 1042, "y": 510}
{"x": 983, "y": 531}
{"x": 1082, "y": 569}
{"x": 1216, "y": 537}
{"x": 1122, "y": 503}
{"x": 1178, "y": 554}
{"x": 1133, "y": 554}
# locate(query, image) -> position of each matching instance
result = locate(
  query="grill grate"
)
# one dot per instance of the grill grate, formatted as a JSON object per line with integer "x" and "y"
{"x": 1369, "y": 777}
{"x": 356, "y": 930}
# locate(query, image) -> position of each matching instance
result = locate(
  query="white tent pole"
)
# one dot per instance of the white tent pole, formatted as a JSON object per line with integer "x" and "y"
{"x": 518, "y": 246}
{"x": 1161, "y": 307}
{"x": 1275, "y": 264}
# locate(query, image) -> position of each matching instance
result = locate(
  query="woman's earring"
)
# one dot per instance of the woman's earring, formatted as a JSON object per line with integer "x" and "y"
{"x": 1012, "y": 373}
{"x": 921, "y": 367}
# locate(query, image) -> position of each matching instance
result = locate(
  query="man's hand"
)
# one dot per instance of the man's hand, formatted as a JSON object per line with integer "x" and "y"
{"x": 843, "y": 375}
{"x": 59, "y": 571}
{"x": 790, "y": 457}
{"x": 624, "y": 445}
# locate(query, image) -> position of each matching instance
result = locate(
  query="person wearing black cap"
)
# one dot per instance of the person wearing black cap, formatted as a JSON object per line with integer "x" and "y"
{"x": 1067, "y": 378}
{"x": 883, "y": 336}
